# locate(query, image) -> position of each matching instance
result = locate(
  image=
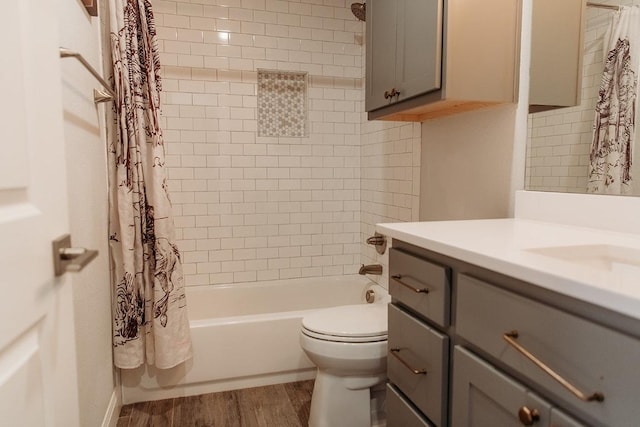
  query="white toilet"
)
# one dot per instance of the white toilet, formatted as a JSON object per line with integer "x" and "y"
{"x": 348, "y": 344}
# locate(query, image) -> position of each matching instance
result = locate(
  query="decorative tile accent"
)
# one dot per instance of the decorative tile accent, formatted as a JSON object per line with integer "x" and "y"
{"x": 282, "y": 103}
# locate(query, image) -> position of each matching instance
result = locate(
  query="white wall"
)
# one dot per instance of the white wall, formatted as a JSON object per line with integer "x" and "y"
{"x": 466, "y": 165}
{"x": 87, "y": 188}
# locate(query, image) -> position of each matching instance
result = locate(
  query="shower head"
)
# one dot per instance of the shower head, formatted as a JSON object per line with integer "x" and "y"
{"x": 359, "y": 10}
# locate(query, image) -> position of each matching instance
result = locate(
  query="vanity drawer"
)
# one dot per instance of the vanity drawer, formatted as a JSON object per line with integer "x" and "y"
{"x": 401, "y": 413}
{"x": 587, "y": 355}
{"x": 420, "y": 285}
{"x": 417, "y": 363}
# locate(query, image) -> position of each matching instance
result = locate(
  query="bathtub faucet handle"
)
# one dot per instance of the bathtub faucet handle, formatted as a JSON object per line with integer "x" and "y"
{"x": 379, "y": 241}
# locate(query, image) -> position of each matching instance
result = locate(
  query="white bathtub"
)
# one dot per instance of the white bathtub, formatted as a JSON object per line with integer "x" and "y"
{"x": 246, "y": 335}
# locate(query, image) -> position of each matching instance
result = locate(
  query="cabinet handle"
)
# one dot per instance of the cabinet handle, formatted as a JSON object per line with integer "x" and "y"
{"x": 528, "y": 416}
{"x": 398, "y": 277}
{"x": 395, "y": 353}
{"x": 394, "y": 92}
{"x": 511, "y": 336}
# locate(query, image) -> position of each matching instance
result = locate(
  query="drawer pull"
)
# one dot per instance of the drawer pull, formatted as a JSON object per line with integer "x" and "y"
{"x": 510, "y": 338}
{"x": 528, "y": 417}
{"x": 395, "y": 353}
{"x": 398, "y": 277}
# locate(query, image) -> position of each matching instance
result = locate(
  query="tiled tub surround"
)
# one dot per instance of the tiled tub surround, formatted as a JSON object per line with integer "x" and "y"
{"x": 560, "y": 140}
{"x": 390, "y": 181}
{"x": 252, "y": 208}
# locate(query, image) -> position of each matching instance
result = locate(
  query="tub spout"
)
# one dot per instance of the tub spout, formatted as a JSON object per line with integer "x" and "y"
{"x": 371, "y": 269}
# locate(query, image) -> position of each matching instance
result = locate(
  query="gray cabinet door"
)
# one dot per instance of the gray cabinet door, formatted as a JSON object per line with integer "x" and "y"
{"x": 413, "y": 346}
{"x": 380, "y": 52}
{"x": 403, "y": 50}
{"x": 484, "y": 397}
{"x": 402, "y": 414}
{"x": 408, "y": 273}
{"x": 584, "y": 353}
{"x": 419, "y": 51}
{"x": 560, "y": 419}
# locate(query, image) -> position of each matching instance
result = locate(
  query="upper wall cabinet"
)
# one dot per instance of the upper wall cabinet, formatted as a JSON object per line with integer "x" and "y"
{"x": 556, "y": 54}
{"x": 431, "y": 58}
{"x": 413, "y": 30}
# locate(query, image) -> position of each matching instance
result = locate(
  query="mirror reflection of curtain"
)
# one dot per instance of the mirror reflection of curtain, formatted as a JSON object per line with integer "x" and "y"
{"x": 611, "y": 153}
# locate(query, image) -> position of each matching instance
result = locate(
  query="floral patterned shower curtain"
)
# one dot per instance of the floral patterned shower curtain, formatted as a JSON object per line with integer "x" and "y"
{"x": 150, "y": 322}
{"x": 614, "y": 125}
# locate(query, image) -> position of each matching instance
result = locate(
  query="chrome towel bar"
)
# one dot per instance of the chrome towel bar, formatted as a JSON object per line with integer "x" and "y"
{"x": 103, "y": 95}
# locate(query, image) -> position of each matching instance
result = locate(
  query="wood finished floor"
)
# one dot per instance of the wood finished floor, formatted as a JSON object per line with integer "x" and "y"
{"x": 280, "y": 405}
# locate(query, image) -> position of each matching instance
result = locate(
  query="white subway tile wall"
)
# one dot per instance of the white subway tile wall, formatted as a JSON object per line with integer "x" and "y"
{"x": 251, "y": 208}
{"x": 390, "y": 183}
{"x": 560, "y": 140}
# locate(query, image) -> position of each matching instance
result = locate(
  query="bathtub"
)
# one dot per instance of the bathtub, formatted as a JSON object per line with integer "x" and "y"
{"x": 246, "y": 335}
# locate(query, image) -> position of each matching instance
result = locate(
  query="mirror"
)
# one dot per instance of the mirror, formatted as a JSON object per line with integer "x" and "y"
{"x": 559, "y": 140}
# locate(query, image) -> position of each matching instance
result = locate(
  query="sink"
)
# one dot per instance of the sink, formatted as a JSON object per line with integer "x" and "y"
{"x": 616, "y": 259}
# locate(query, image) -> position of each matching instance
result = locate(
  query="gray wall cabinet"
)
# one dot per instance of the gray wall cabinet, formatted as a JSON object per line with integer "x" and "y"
{"x": 403, "y": 50}
{"x": 456, "y": 338}
{"x": 431, "y": 58}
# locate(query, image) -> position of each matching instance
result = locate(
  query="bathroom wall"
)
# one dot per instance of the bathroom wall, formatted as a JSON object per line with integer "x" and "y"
{"x": 85, "y": 148}
{"x": 252, "y": 208}
{"x": 467, "y": 162}
{"x": 560, "y": 140}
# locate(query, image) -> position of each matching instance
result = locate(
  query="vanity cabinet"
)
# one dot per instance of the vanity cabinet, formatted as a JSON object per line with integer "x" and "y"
{"x": 431, "y": 58}
{"x": 402, "y": 413}
{"x": 418, "y": 359}
{"x": 484, "y": 396}
{"x": 497, "y": 351}
{"x": 599, "y": 362}
{"x": 418, "y": 363}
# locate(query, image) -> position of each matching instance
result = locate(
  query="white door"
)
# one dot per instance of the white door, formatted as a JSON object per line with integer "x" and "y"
{"x": 38, "y": 385}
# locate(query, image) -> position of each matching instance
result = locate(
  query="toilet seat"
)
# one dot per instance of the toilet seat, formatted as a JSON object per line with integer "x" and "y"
{"x": 357, "y": 323}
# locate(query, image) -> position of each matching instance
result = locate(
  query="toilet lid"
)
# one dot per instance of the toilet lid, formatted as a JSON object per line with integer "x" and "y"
{"x": 348, "y": 323}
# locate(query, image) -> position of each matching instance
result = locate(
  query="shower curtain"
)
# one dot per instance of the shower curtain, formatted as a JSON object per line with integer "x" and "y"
{"x": 614, "y": 124}
{"x": 150, "y": 323}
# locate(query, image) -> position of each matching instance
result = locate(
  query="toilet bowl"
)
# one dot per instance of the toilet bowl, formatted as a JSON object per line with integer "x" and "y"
{"x": 348, "y": 344}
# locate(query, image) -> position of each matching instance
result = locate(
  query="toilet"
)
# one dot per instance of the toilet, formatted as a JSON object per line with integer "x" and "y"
{"x": 348, "y": 344}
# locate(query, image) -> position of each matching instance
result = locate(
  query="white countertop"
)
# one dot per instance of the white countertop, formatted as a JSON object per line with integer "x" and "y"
{"x": 508, "y": 246}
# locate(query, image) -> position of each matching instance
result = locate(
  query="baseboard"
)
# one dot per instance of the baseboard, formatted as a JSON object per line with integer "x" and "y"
{"x": 113, "y": 410}
{"x": 135, "y": 394}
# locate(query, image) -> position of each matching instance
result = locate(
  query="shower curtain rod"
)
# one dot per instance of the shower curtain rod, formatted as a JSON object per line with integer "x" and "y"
{"x": 603, "y": 6}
